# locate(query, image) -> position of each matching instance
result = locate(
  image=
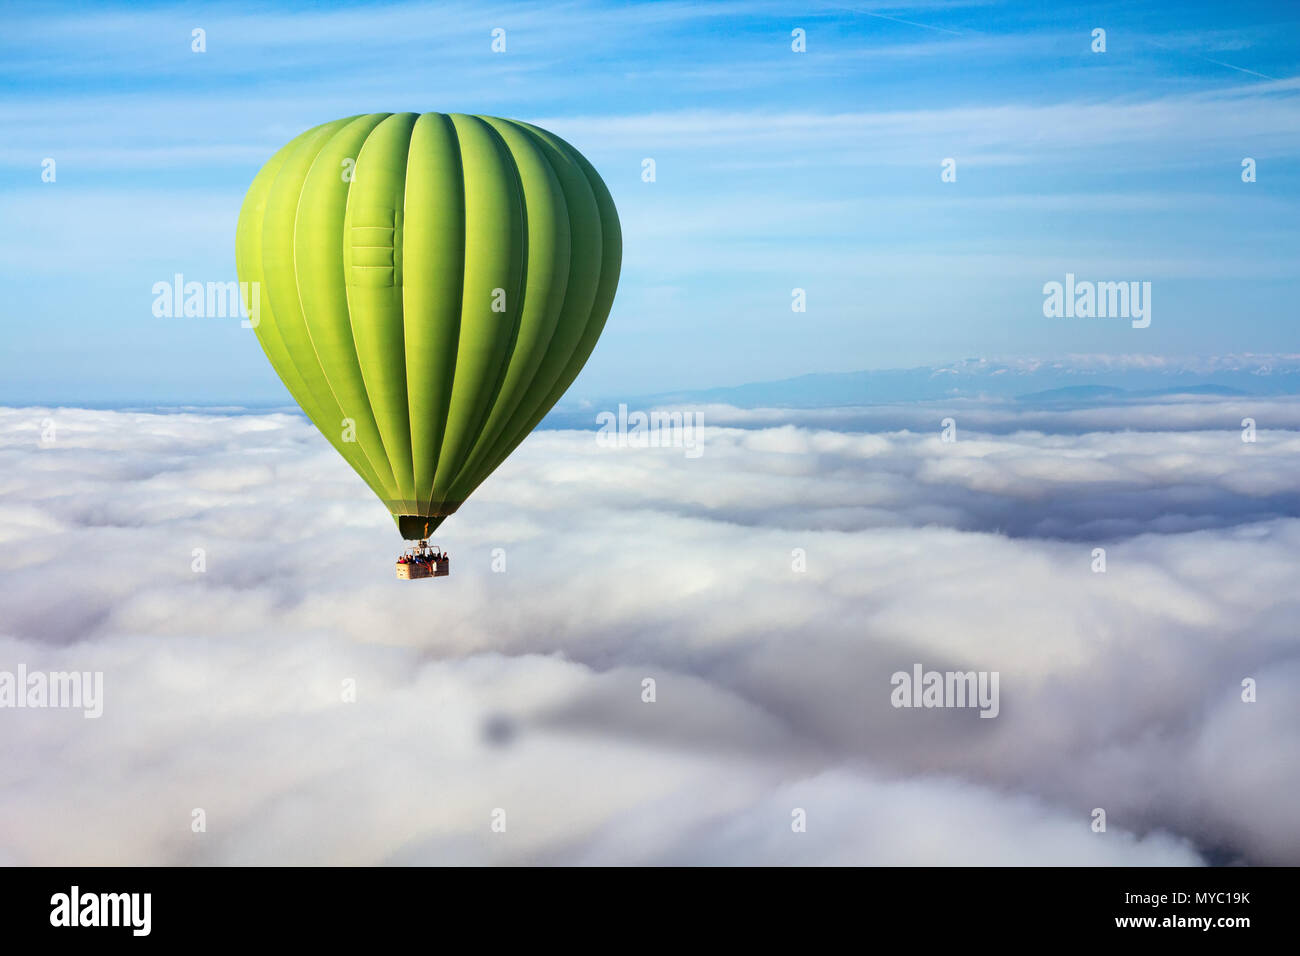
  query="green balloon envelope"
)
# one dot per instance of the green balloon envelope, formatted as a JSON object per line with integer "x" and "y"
{"x": 427, "y": 287}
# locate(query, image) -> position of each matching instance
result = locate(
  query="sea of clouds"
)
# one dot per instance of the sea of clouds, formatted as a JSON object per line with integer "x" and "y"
{"x": 521, "y": 690}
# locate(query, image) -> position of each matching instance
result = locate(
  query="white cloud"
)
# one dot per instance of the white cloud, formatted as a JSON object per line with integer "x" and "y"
{"x": 522, "y": 690}
{"x": 1008, "y": 133}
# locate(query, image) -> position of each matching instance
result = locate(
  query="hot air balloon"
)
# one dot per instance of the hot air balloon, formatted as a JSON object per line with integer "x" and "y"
{"x": 428, "y": 286}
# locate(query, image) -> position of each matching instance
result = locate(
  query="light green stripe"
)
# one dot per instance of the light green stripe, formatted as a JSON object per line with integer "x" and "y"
{"x": 434, "y": 239}
{"x": 319, "y": 272}
{"x": 375, "y": 296}
{"x": 494, "y": 260}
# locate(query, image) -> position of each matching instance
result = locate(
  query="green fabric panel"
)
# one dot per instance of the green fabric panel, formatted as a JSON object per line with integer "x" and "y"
{"x": 494, "y": 259}
{"x": 601, "y": 266}
{"x": 248, "y": 263}
{"x": 319, "y": 272}
{"x": 580, "y": 292}
{"x": 416, "y": 528}
{"x": 373, "y": 283}
{"x": 267, "y": 258}
{"x": 433, "y": 247}
{"x": 611, "y": 260}
{"x": 546, "y": 279}
{"x": 281, "y": 289}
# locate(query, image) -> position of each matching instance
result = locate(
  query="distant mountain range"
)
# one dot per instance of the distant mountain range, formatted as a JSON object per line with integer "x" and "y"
{"x": 1099, "y": 393}
{"x": 1081, "y": 381}
{"x": 1088, "y": 380}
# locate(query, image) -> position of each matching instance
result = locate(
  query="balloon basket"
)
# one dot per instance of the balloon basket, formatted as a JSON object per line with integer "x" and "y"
{"x": 422, "y": 561}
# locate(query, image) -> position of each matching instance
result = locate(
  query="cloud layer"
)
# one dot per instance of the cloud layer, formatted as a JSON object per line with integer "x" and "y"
{"x": 521, "y": 689}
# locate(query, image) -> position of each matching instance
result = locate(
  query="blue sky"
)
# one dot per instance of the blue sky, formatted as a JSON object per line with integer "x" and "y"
{"x": 775, "y": 170}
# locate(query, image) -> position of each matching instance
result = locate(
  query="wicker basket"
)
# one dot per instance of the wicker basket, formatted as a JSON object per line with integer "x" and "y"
{"x": 409, "y": 570}
{"x": 437, "y": 568}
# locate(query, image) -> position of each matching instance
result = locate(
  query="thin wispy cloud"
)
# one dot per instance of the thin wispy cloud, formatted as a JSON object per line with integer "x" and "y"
{"x": 774, "y": 171}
